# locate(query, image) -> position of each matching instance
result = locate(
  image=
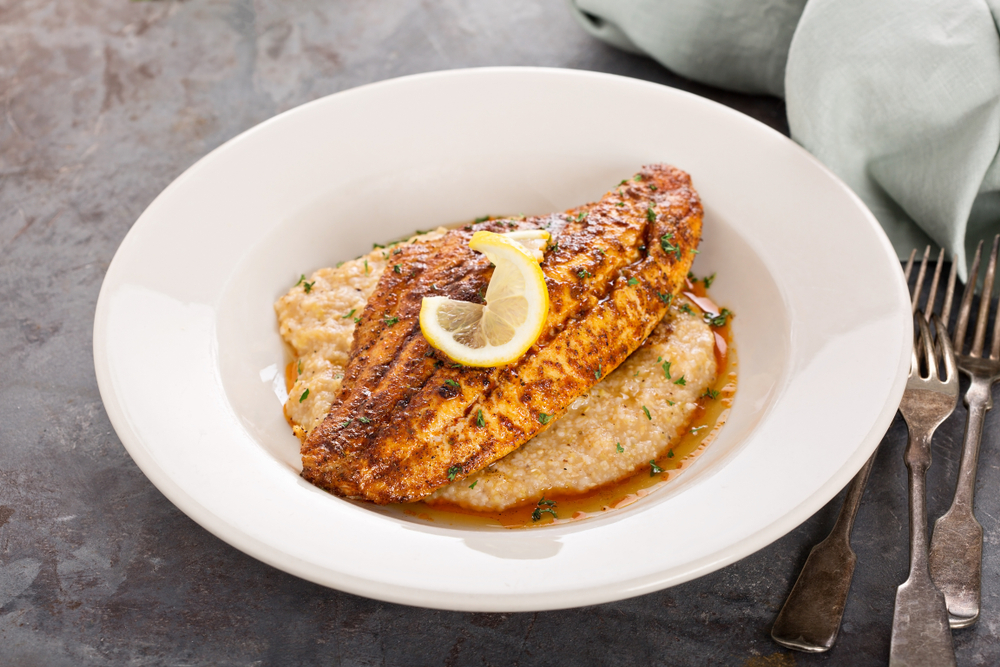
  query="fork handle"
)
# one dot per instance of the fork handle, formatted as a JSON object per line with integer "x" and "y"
{"x": 956, "y": 554}
{"x": 920, "y": 632}
{"x": 810, "y": 619}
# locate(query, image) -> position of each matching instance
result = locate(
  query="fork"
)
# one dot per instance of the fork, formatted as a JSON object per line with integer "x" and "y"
{"x": 810, "y": 618}
{"x": 957, "y": 544}
{"x": 920, "y": 631}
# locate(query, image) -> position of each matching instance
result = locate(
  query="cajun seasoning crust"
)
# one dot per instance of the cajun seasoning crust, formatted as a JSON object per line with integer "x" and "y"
{"x": 397, "y": 431}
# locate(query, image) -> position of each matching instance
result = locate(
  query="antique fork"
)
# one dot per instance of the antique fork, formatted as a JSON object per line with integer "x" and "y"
{"x": 810, "y": 618}
{"x": 957, "y": 545}
{"x": 920, "y": 631}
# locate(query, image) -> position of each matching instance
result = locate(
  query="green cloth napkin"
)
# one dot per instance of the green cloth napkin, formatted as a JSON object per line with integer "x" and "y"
{"x": 900, "y": 98}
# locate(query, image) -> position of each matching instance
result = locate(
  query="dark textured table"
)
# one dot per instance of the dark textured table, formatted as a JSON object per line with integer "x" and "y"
{"x": 104, "y": 102}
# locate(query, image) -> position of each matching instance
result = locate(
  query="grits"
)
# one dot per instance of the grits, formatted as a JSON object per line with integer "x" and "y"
{"x": 605, "y": 435}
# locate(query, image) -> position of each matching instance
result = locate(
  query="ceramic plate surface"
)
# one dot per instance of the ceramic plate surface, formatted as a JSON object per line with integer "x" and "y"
{"x": 187, "y": 350}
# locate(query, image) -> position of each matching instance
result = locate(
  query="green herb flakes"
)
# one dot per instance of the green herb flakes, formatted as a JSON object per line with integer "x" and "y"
{"x": 300, "y": 367}
{"x": 666, "y": 369}
{"x": 618, "y": 446}
{"x": 637, "y": 177}
{"x": 364, "y": 420}
{"x": 480, "y": 422}
{"x": 668, "y": 246}
{"x": 473, "y": 485}
{"x": 686, "y": 309}
{"x": 665, "y": 298}
{"x": 397, "y": 268}
{"x": 544, "y": 418}
{"x": 651, "y": 215}
{"x": 304, "y": 396}
{"x": 670, "y": 453}
{"x": 453, "y": 472}
{"x": 646, "y": 410}
{"x": 366, "y": 267}
{"x": 653, "y": 468}
{"x": 681, "y": 381}
{"x": 597, "y": 374}
{"x": 544, "y": 507}
{"x": 308, "y": 286}
{"x": 452, "y": 383}
{"x": 346, "y": 423}
{"x": 482, "y": 218}
{"x": 350, "y": 314}
{"x": 711, "y": 394}
{"x": 708, "y": 280}
{"x": 633, "y": 281}
{"x": 584, "y": 273}
{"x": 301, "y": 280}
{"x": 389, "y": 321}
{"x": 718, "y": 320}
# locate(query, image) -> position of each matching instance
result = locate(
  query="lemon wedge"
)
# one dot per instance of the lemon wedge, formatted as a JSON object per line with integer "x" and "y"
{"x": 532, "y": 240}
{"x": 517, "y": 302}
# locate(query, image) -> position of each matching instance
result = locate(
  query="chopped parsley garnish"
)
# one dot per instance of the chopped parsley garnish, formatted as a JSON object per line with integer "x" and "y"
{"x": 669, "y": 402}
{"x": 619, "y": 447}
{"x": 397, "y": 268}
{"x": 597, "y": 374}
{"x": 711, "y": 393}
{"x": 651, "y": 214}
{"x": 695, "y": 430}
{"x": 652, "y": 186}
{"x": 452, "y": 383}
{"x": 467, "y": 228}
{"x": 357, "y": 320}
{"x": 452, "y": 472}
{"x": 473, "y": 485}
{"x": 544, "y": 507}
{"x": 364, "y": 420}
{"x": 544, "y": 418}
{"x": 583, "y": 273}
{"x": 646, "y": 410}
{"x": 421, "y": 232}
{"x": 389, "y": 321}
{"x": 637, "y": 177}
{"x": 554, "y": 247}
{"x": 479, "y": 293}
{"x": 339, "y": 264}
{"x": 600, "y": 250}
{"x": 399, "y": 251}
{"x": 480, "y": 422}
{"x": 308, "y": 286}
{"x": 670, "y": 453}
{"x": 621, "y": 203}
{"x": 377, "y": 245}
{"x": 666, "y": 369}
{"x": 304, "y": 396}
{"x": 708, "y": 280}
{"x": 482, "y": 218}
{"x": 580, "y": 216}
{"x": 366, "y": 267}
{"x": 346, "y": 423}
{"x": 686, "y": 309}
{"x": 633, "y": 281}
{"x": 669, "y": 247}
{"x": 718, "y": 320}
{"x": 653, "y": 468}
{"x": 665, "y": 298}
{"x": 300, "y": 367}
{"x": 624, "y": 181}
{"x": 681, "y": 381}
{"x": 695, "y": 251}
{"x": 301, "y": 280}
{"x": 350, "y": 314}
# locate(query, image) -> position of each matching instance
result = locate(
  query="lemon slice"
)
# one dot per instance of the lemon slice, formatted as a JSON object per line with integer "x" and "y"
{"x": 533, "y": 240}
{"x": 501, "y": 330}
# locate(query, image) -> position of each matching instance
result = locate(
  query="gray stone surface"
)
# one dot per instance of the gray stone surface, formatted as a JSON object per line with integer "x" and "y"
{"x": 102, "y": 104}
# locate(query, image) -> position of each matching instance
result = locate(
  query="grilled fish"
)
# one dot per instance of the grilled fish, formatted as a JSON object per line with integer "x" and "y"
{"x": 408, "y": 420}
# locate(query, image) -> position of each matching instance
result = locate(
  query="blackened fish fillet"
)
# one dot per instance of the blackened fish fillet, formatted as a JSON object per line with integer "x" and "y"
{"x": 397, "y": 431}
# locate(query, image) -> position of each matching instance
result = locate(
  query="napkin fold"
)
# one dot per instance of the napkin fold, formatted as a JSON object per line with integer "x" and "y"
{"x": 901, "y": 99}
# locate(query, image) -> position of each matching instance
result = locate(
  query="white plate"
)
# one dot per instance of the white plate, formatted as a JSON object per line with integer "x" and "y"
{"x": 186, "y": 344}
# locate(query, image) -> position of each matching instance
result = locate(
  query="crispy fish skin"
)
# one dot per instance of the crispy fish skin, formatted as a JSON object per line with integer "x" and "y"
{"x": 398, "y": 431}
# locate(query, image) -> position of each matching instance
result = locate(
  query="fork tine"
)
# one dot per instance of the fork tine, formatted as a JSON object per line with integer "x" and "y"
{"x": 949, "y": 292}
{"x": 984, "y": 301}
{"x": 915, "y": 300}
{"x": 947, "y": 353}
{"x": 963, "y": 310}
{"x": 932, "y": 294}
{"x": 926, "y": 342}
{"x": 909, "y": 265}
